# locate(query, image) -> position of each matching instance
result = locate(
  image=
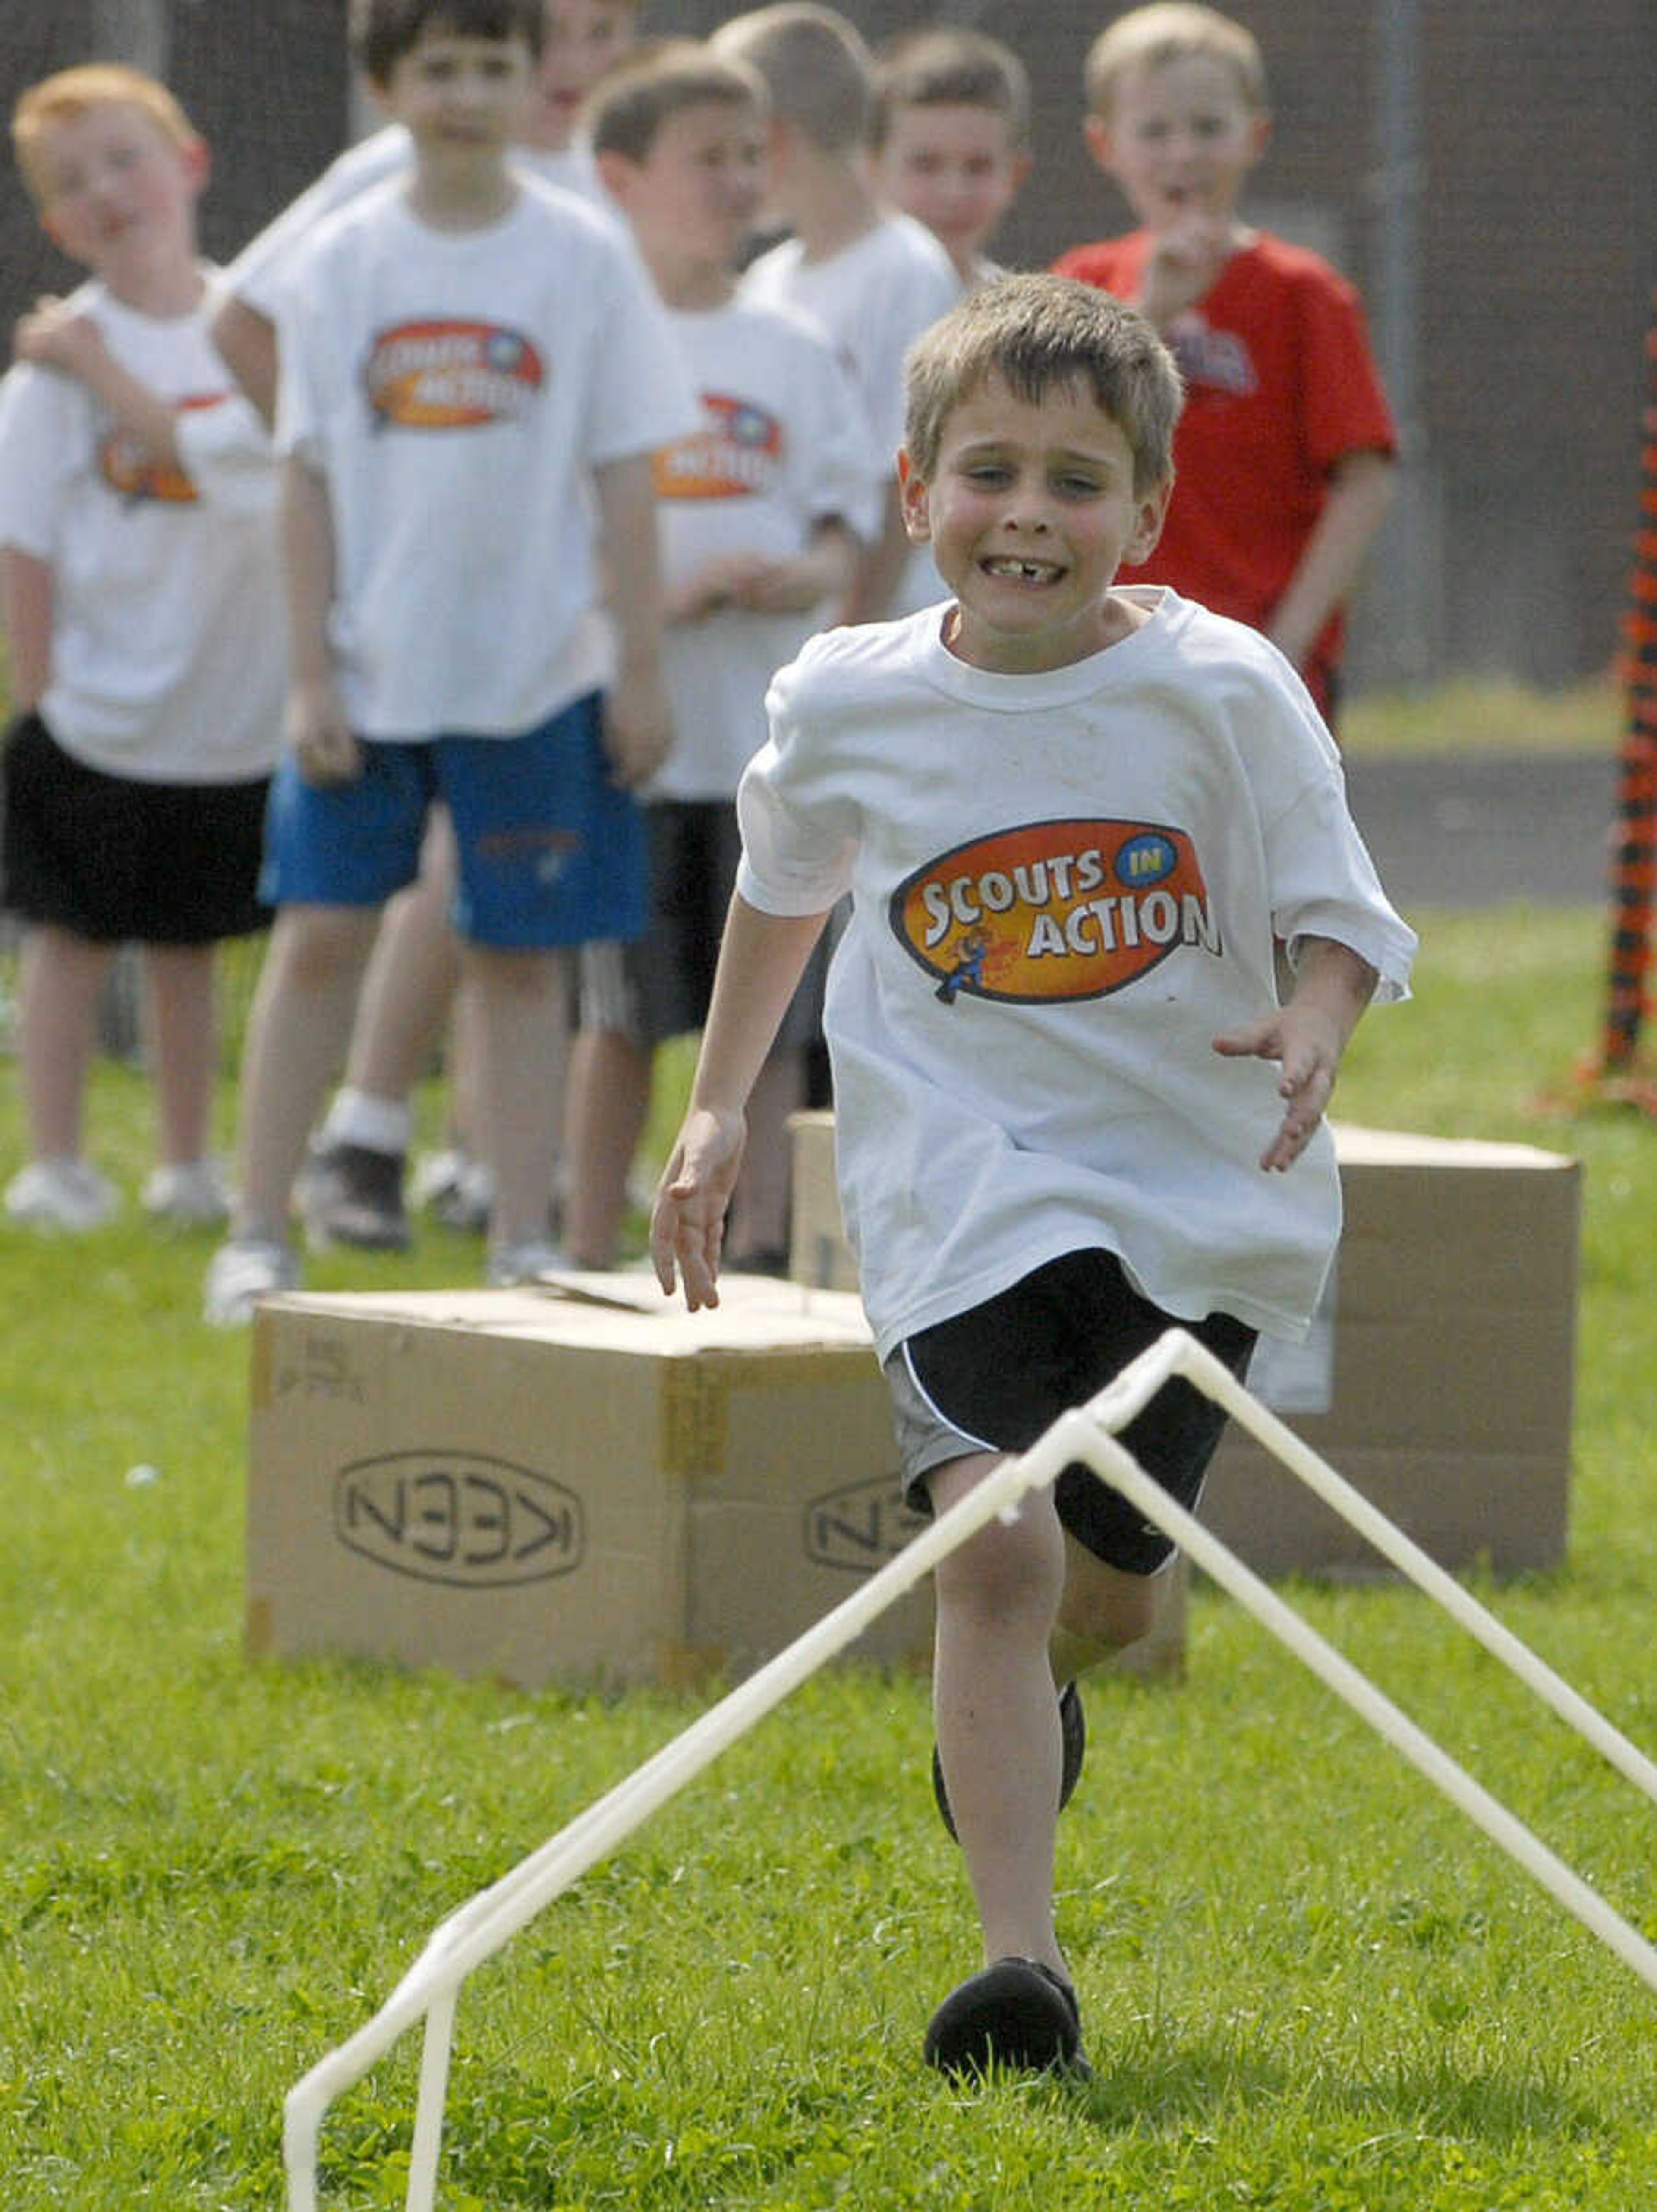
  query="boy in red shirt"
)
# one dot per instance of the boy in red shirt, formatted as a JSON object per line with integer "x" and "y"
{"x": 1284, "y": 455}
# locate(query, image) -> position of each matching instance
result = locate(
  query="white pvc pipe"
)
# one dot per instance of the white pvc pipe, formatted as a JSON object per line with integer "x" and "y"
{"x": 490, "y": 1918}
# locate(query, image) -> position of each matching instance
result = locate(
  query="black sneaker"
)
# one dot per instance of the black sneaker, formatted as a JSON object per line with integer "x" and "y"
{"x": 350, "y": 1194}
{"x": 1073, "y": 1730}
{"x": 1017, "y": 2013}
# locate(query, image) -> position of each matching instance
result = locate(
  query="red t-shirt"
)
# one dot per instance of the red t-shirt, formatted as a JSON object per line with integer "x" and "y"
{"x": 1279, "y": 386}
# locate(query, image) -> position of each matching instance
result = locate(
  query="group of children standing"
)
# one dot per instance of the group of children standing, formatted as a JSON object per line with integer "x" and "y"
{"x": 765, "y": 410}
{"x": 561, "y": 497}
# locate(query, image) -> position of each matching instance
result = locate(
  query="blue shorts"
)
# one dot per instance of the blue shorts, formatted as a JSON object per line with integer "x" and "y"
{"x": 551, "y": 851}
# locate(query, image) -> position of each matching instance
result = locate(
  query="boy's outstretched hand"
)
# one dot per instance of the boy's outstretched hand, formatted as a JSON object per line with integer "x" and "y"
{"x": 1308, "y": 1044}
{"x": 1308, "y": 1036}
{"x": 687, "y": 1224}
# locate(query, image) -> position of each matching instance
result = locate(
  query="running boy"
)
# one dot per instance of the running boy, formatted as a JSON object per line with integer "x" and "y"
{"x": 472, "y": 365}
{"x": 138, "y": 574}
{"x": 1285, "y": 451}
{"x": 761, "y": 511}
{"x": 1070, "y": 817}
{"x": 952, "y": 137}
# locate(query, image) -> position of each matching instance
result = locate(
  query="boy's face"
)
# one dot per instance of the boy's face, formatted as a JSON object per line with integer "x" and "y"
{"x": 1030, "y": 513}
{"x": 583, "y": 38}
{"x": 695, "y": 196}
{"x": 119, "y": 195}
{"x": 953, "y": 168}
{"x": 463, "y": 101}
{"x": 1180, "y": 139}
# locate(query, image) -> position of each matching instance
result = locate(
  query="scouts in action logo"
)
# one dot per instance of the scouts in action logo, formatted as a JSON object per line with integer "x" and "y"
{"x": 1054, "y": 910}
{"x": 451, "y": 375}
{"x": 128, "y": 466}
{"x": 735, "y": 455}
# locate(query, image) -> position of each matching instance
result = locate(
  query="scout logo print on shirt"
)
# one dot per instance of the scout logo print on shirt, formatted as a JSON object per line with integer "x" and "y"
{"x": 735, "y": 455}
{"x": 128, "y": 468}
{"x": 450, "y": 375}
{"x": 1054, "y": 910}
{"x": 1211, "y": 360}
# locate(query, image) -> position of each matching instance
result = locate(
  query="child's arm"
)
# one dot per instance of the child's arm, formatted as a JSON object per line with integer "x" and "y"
{"x": 638, "y": 719}
{"x": 316, "y": 725}
{"x": 877, "y": 574}
{"x": 246, "y": 342}
{"x": 1360, "y": 492}
{"x": 26, "y": 595}
{"x": 764, "y": 585}
{"x": 1332, "y": 986}
{"x": 53, "y": 335}
{"x": 761, "y": 959}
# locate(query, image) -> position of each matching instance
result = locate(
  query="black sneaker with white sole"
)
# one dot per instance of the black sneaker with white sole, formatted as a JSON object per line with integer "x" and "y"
{"x": 1073, "y": 1730}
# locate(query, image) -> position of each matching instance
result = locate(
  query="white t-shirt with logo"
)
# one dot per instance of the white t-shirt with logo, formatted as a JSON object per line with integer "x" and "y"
{"x": 257, "y": 273}
{"x": 874, "y": 298}
{"x": 167, "y": 654}
{"x": 782, "y": 448}
{"x": 455, "y": 389}
{"x": 1064, "y": 886}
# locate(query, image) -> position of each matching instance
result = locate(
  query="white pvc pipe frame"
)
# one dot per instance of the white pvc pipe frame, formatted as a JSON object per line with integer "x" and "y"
{"x": 481, "y": 1927}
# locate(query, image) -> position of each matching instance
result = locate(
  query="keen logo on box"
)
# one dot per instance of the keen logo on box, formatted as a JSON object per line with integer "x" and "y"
{"x": 460, "y": 1518}
{"x": 861, "y": 1527}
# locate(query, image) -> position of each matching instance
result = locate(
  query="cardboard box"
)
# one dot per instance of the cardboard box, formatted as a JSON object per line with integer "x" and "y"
{"x": 578, "y": 1483}
{"x": 531, "y": 1486}
{"x": 1438, "y": 1377}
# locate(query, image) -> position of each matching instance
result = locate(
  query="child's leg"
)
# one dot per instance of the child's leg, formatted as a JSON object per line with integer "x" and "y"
{"x": 608, "y": 1099}
{"x": 1101, "y": 1612}
{"x": 996, "y": 1715}
{"x": 184, "y": 1031}
{"x": 524, "y": 1014}
{"x": 410, "y": 978}
{"x": 298, "y": 1028}
{"x": 63, "y": 975}
{"x": 759, "y": 1210}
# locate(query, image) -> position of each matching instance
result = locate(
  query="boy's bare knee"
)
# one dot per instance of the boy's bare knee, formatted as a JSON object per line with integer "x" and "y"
{"x": 1006, "y": 1566}
{"x": 315, "y": 945}
{"x": 528, "y": 977}
{"x": 1104, "y": 1610}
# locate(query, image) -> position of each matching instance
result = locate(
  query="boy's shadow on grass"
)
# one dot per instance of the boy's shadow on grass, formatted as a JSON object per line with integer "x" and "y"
{"x": 1148, "y": 2089}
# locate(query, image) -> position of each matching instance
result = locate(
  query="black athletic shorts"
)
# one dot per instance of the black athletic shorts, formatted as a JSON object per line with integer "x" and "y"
{"x": 997, "y": 1376}
{"x": 116, "y": 860}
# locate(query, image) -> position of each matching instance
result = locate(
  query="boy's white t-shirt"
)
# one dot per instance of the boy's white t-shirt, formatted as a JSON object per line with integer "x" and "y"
{"x": 257, "y": 273}
{"x": 455, "y": 389}
{"x": 1064, "y": 886}
{"x": 874, "y": 298}
{"x": 781, "y": 449}
{"x": 167, "y": 654}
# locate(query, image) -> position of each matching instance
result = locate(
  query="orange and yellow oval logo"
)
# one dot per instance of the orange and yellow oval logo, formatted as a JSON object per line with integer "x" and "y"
{"x": 735, "y": 455}
{"x": 129, "y": 469}
{"x": 1054, "y": 910}
{"x": 451, "y": 375}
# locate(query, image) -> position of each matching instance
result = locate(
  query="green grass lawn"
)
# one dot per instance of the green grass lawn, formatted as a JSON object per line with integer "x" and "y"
{"x": 1308, "y": 1984}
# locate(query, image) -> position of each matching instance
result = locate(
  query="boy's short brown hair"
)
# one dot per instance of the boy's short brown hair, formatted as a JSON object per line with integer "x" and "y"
{"x": 947, "y": 65}
{"x": 657, "y": 82}
{"x": 1034, "y": 332}
{"x": 70, "y": 93}
{"x": 820, "y": 74}
{"x": 382, "y": 31}
{"x": 1170, "y": 31}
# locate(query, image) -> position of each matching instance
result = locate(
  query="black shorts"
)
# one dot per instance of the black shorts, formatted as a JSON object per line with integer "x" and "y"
{"x": 658, "y": 985}
{"x": 997, "y": 1378}
{"x": 115, "y": 861}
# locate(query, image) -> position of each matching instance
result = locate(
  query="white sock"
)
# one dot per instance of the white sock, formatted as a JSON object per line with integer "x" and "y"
{"x": 379, "y": 1125}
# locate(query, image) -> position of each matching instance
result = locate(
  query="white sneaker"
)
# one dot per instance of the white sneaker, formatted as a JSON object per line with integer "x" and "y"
{"x": 192, "y": 1194}
{"x": 525, "y": 1262}
{"x": 243, "y": 1271}
{"x": 62, "y": 1194}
